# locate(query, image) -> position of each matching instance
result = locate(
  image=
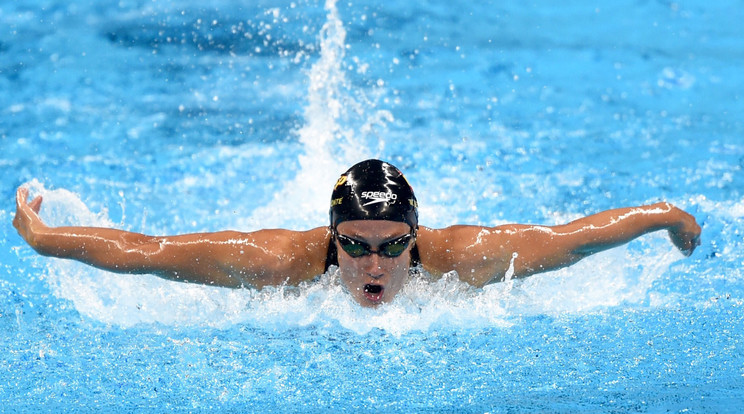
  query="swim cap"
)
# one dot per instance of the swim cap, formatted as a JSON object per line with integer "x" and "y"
{"x": 373, "y": 190}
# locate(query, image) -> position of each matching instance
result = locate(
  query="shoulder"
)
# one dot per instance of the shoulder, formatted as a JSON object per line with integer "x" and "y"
{"x": 274, "y": 256}
{"x": 285, "y": 238}
{"x": 459, "y": 236}
{"x": 311, "y": 245}
{"x": 470, "y": 250}
{"x": 316, "y": 239}
{"x": 308, "y": 258}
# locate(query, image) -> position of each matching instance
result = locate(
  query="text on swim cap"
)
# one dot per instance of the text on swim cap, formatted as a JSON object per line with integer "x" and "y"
{"x": 378, "y": 196}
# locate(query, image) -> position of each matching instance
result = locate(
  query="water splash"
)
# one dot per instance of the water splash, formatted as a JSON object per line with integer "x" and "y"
{"x": 337, "y": 121}
{"x": 618, "y": 277}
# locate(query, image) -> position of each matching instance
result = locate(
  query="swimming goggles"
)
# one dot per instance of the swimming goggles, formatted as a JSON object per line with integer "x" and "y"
{"x": 357, "y": 248}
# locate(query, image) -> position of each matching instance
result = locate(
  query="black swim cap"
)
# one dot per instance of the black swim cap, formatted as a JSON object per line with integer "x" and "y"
{"x": 373, "y": 190}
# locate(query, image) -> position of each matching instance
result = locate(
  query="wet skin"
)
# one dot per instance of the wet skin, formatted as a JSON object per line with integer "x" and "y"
{"x": 480, "y": 255}
{"x": 373, "y": 279}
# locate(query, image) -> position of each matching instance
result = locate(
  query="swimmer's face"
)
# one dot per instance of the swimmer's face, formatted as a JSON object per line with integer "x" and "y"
{"x": 373, "y": 279}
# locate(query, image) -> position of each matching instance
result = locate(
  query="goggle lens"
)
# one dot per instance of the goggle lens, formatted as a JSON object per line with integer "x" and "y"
{"x": 356, "y": 248}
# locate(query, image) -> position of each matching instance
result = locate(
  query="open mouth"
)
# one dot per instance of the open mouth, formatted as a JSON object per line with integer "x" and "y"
{"x": 373, "y": 292}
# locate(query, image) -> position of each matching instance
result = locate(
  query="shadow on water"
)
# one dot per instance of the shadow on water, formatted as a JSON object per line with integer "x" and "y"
{"x": 211, "y": 31}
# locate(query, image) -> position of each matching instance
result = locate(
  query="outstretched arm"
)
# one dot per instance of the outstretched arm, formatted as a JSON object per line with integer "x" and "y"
{"x": 229, "y": 259}
{"x": 481, "y": 255}
{"x": 547, "y": 248}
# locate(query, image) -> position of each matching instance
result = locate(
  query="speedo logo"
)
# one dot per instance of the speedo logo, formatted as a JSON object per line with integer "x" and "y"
{"x": 378, "y": 197}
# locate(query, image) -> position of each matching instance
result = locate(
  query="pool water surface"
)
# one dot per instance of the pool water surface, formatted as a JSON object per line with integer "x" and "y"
{"x": 171, "y": 117}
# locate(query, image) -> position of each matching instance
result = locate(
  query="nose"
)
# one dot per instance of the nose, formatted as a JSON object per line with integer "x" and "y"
{"x": 376, "y": 276}
{"x": 372, "y": 266}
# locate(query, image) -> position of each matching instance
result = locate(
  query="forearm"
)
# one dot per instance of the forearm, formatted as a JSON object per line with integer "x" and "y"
{"x": 542, "y": 248}
{"x": 615, "y": 227}
{"x": 109, "y": 249}
{"x": 227, "y": 258}
{"x": 208, "y": 258}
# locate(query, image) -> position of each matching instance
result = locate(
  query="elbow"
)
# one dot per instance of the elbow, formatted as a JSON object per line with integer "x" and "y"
{"x": 582, "y": 252}
{"x": 548, "y": 264}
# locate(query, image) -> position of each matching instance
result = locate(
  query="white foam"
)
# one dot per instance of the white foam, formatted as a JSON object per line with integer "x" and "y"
{"x": 337, "y": 120}
{"x": 423, "y": 305}
{"x": 62, "y": 207}
{"x": 613, "y": 278}
{"x": 623, "y": 276}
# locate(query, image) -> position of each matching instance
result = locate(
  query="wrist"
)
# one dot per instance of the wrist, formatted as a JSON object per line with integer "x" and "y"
{"x": 39, "y": 238}
{"x": 671, "y": 217}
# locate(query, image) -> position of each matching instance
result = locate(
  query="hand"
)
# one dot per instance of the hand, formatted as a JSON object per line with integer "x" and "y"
{"x": 685, "y": 235}
{"x": 27, "y": 220}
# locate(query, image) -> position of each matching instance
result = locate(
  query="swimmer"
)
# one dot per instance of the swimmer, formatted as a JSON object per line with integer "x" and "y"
{"x": 373, "y": 238}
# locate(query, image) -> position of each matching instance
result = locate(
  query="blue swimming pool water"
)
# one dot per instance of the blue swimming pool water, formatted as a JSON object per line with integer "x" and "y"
{"x": 181, "y": 116}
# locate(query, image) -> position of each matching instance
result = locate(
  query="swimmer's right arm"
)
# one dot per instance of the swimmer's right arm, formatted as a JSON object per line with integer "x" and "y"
{"x": 228, "y": 258}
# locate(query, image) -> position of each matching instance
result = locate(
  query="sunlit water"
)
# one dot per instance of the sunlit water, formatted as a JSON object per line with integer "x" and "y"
{"x": 175, "y": 117}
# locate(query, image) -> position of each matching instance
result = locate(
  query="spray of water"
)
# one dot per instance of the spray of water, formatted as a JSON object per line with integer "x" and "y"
{"x": 613, "y": 278}
{"x": 609, "y": 279}
{"x": 337, "y": 120}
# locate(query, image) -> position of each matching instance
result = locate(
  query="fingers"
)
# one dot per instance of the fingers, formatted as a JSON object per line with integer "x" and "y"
{"x": 695, "y": 242}
{"x": 26, "y": 213}
{"x": 688, "y": 252}
{"x": 35, "y": 204}
{"x": 686, "y": 241}
{"x": 21, "y": 196}
{"x": 22, "y": 200}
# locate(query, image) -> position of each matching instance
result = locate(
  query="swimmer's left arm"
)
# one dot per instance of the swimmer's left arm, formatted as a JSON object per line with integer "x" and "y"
{"x": 482, "y": 255}
{"x": 544, "y": 248}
